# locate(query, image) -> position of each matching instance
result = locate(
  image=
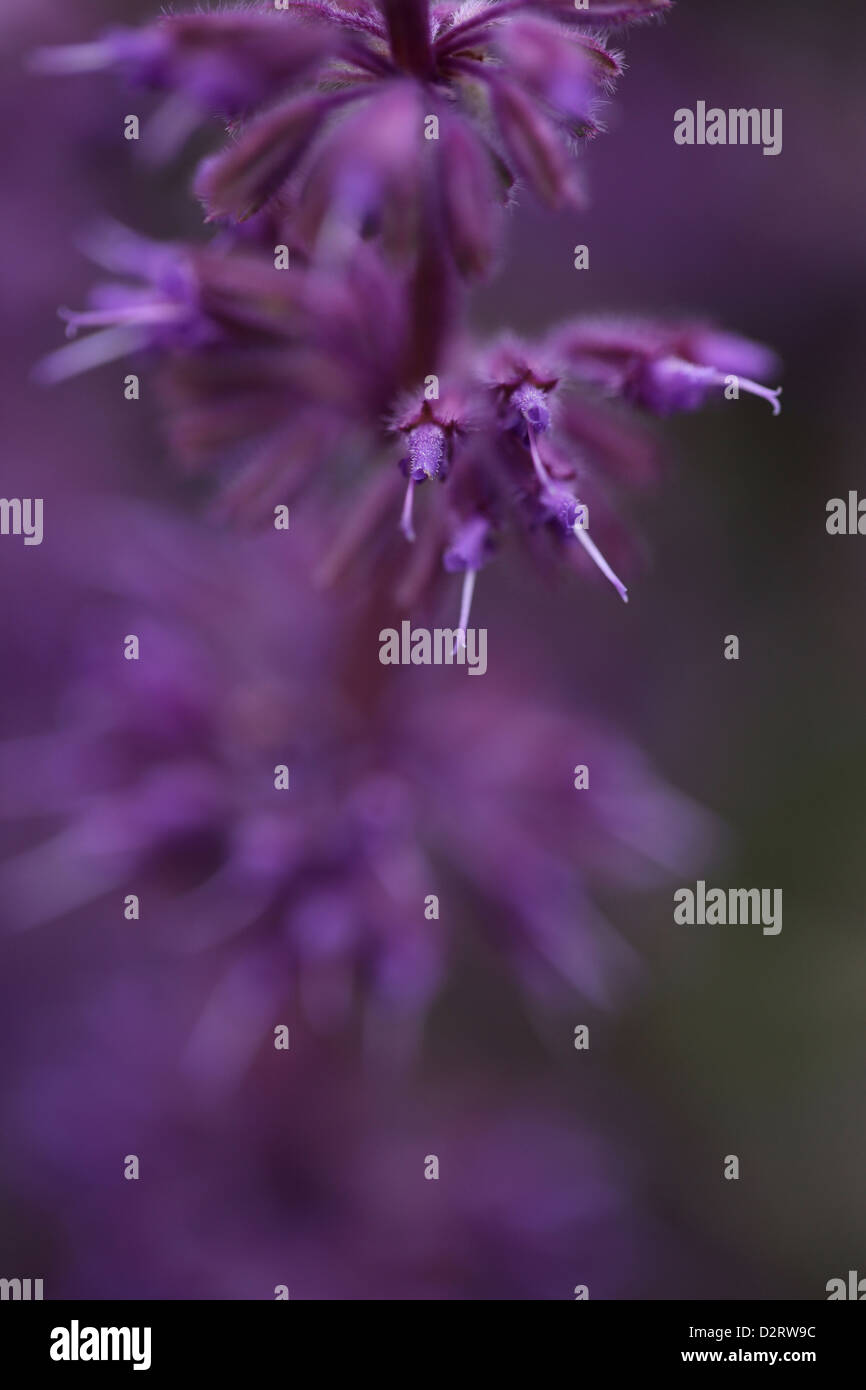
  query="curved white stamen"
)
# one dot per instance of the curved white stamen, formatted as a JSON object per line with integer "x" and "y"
{"x": 406, "y": 525}
{"x": 712, "y": 376}
{"x": 595, "y": 554}
{"x": 465, "y": 606}
{"x": 756, "y": 389}
{"x": 541, "y": 472}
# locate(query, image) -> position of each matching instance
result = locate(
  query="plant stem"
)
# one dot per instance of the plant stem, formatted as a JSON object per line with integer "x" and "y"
{"x": 409, "y": 31}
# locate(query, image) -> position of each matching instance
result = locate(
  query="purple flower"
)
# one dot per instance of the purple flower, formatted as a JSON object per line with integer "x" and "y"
{"x": 190, "y": 299}
{"x": 665, "y": 368}
{"x": 224, "y": 62}
{"x": 381, "y": 117}
{"x": 162, "y": 313}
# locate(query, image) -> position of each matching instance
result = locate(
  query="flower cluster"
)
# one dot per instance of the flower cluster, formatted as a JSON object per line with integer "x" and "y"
{"x": 289, "y": 384}
{"x": 397, "y": 117}
{"x": 161, "y": 774}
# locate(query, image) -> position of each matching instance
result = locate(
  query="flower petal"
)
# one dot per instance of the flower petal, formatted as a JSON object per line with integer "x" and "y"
{"x": 535, "y": 146}
{"x": 240, "y": 180}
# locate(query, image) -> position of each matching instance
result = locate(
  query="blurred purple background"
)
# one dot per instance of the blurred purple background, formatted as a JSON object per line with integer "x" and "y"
{"x": 558, "y": 1167}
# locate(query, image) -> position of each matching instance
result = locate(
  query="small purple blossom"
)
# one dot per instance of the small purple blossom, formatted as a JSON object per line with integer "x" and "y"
{"x": 161, "y": 313}
{"x": 665, "y": 368}
{"x": 189, "y": 299}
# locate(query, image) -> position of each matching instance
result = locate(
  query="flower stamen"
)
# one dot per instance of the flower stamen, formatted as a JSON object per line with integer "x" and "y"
{"x": 596, "y": 556}
{"x": 541, "y": 472}
{"x": 465, "y": 608}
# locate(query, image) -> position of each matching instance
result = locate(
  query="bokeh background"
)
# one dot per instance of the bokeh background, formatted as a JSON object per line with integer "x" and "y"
{"x": 602, "y": 1168}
